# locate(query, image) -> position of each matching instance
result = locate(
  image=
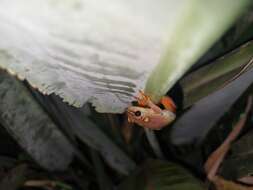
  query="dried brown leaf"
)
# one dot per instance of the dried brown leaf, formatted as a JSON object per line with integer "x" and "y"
{"x": 222, "y": 184}
{"x": 215, "y": 159}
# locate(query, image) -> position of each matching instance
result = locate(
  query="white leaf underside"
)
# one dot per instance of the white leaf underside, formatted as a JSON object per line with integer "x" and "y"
{"x": 85, "y": 50}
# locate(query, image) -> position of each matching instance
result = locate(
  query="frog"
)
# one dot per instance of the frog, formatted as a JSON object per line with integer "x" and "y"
{"x": 149, "y": 115}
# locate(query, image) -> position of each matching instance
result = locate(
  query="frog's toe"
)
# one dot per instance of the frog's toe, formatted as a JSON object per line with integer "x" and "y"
{"x": 142, "y": 99}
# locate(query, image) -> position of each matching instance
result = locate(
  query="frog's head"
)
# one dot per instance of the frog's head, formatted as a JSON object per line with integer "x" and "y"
{"x": 147, "y": 118}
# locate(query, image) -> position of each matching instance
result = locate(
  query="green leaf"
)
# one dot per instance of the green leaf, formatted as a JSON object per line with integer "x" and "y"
{"x": 201, "y": 25}
{"x": 83, "y": 128}
{"x": 161, "y": 175}
{"x": 210, "y": 78}
{"x": 200, "y": 118}
{"x": 31, "y": 127}
{"x": 103, "y": 180}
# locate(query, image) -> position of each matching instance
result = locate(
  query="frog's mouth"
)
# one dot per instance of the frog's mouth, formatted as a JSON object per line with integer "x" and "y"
{"x": 130, "y": 112}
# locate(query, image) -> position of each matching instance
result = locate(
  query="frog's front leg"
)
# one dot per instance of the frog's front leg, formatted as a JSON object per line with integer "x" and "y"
{"x": 167, "y": 102}
{"x": 145, "y": 101}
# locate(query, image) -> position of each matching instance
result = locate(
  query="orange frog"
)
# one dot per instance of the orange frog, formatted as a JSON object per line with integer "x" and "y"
{"x": 149, "y": 115}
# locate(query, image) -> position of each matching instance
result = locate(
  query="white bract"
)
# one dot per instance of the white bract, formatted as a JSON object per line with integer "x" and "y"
{"x": 101, "y": 51}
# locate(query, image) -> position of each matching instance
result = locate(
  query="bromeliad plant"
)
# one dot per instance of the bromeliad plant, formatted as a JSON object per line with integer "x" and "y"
{"x": 220, "y": 62}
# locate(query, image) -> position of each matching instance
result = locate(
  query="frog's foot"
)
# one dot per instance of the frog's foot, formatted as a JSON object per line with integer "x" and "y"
{"x": 168, "y": 103}
{"x": 142, "y": 99}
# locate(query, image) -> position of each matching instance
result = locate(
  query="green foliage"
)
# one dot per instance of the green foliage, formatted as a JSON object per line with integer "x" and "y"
{"x": 161, "y": 175}
{"x": 201, "y": 25}
{"x": 216, "y": 74}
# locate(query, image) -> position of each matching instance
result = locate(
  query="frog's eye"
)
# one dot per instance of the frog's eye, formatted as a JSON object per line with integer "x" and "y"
{"x": 137, "y": 113}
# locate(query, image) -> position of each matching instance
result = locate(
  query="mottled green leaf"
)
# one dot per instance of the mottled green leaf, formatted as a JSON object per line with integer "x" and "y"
{"x": 83, "y": 128}
{"x": 161, "y": 175}
{"x": 31, "y": 127}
